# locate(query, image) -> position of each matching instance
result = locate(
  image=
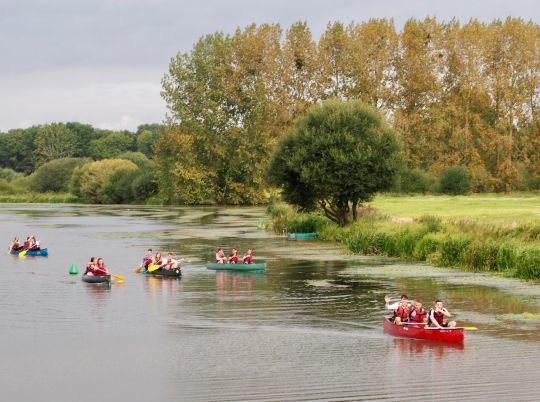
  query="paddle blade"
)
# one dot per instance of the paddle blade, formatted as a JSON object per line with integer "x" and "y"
{"x": 152, "y": 268}
{"x": 137, "y": 270}
{"x": 470, "y": 328}
{"x": 119, "y": 277}
{"x": 22, "y": 253}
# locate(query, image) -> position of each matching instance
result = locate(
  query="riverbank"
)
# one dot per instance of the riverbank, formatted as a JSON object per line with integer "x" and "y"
{"x": 487, "y": 233}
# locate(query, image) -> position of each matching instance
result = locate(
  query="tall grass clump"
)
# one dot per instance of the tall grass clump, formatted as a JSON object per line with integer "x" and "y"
{"x": 452, "y": 248}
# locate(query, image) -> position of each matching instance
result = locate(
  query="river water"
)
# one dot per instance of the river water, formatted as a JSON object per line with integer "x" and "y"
{"x": 310, "y": 328}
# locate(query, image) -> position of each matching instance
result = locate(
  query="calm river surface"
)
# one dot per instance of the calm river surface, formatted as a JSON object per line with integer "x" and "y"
{"x": 310, "y": 328}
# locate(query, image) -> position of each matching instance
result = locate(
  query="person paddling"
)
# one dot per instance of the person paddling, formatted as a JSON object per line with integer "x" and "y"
{"x": 99, "y": 269}
{"x": 147, "y": 260}
{"x": 437, "y": 314}
{"x": 90, "y": 266}
{"x": 16, "y": 244}
{"x": 221, "y": 258}
{"x": 169, "y": 262}
{"x": 248, "y": 258}
{"x": 401, "y": 309}
{"x": 158, "y": 260}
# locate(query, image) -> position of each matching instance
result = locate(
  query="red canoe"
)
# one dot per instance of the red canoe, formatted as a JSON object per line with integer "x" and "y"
{"x": 420, "y": 332}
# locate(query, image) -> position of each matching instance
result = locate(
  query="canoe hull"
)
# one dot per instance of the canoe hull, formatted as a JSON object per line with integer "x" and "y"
{"x": 419, "y": 332}
{"x": 32, "y": 253}
{"x": 171, "y": 273}
{"x": 96, "y": 279}
{"x": 293, "y": 236}
{"x": 237, "y": 267}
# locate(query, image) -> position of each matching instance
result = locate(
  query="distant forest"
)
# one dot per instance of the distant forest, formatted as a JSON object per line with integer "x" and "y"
{"x": 459, "y": 95}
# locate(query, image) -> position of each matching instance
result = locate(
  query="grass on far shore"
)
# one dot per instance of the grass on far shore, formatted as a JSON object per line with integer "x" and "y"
{"x": 484, "y": 232}
{"x": 513, "y": 208}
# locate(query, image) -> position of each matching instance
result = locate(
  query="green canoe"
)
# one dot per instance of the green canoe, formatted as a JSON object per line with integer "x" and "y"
{"x": 301, "y": 235}
{"x": 237, "y": 267}
{"x": 96, "y": 279}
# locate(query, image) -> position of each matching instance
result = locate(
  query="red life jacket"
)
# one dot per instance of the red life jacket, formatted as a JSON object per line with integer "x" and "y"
{"x": 418, "y": 316}
{"x": 403, "y": 313}
{"x": 26, "y": 245}
{"x": 248, "y": 259}
{"x": 158, "y": 262}
{"x": 233, "y": 259}
{"x": 439, "y": 317}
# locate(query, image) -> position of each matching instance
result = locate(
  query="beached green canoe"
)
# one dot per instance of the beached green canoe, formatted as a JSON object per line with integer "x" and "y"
{"x": 301, "y": 235}
{"x": 237, "y": 267}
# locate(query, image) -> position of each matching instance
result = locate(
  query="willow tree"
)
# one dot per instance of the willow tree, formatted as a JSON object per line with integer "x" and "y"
{"x": 336, "y": 157}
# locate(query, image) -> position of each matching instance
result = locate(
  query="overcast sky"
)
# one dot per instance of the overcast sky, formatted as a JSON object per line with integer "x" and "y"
{"x": 101, "y": 61}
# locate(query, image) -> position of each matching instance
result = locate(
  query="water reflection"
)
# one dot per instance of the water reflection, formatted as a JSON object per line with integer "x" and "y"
{"x": 418, "y": 348}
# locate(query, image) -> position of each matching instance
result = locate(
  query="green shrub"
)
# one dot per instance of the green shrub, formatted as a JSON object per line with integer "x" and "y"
{"x": 95, "y": 175}
{"x": 307, "y": 223}
{"x": 137, "y": 158}
{"x": 481, "y": 255}
{"x": 455, "y": 180}
{"x": 116, "y": 189}
{"x": 144, "y": 185}
{"x": 426, "y": 246}
{"x": 55, "y": 175}
{"x": 452, "y": 248}
{"x": 506, "y": 257}
{"x": 9, "y": 174}
{"x": 413, "y": 181}
{"x": 528, "y": 264}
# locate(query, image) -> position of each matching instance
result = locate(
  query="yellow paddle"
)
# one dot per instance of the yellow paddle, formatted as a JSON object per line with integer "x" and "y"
{"x": 23, "y": 253}
{"x": 153, "y": 268}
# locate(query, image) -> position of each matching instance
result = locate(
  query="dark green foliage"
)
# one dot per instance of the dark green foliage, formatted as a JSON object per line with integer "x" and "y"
{"x": 455, "y": 180}
{"x": 307, "y": 223}
{"x": 117, "y": 187}
{"x": 412, "y": 181}
{"x": 337, "y": 156}
{"x": 16, "y": 150}
{"x": 55, "y": 175}
{"x": 144, "y": 185}
{"x": 111, "y": 145}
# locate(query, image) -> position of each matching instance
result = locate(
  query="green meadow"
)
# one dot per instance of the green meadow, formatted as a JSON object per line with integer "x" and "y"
{"x": 514, "y": 208}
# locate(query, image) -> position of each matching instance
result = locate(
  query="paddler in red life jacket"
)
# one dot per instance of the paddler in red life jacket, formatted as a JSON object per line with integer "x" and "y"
{"x": 98, "y": 269}
{"x": 16, "y": 244}
{"x": 418, "y": 315}
{"x": 148, "y": 259}
{"x": 90, "y": 266}
{"x": 158, "y": 260}
{"x": 233, "y": 259}
{"x": 248, "y": 258}
{"x": 34, "y": 244}
{"x": 437, "y": 314}
{"x": 169, "y": 262}
{"x": 401, "y": 309}
{"x": 26, "y": 244}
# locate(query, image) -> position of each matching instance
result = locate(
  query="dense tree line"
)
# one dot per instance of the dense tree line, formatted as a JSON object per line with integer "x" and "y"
{"x": 459, "y": 95}
{"x": 98, "y": 166}
{"x": 26, "y": 149}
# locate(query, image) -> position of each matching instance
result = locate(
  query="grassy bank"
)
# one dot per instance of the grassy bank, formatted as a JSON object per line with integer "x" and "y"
{"x": 31, "y": 197}
{"x": 499, "y": 234}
